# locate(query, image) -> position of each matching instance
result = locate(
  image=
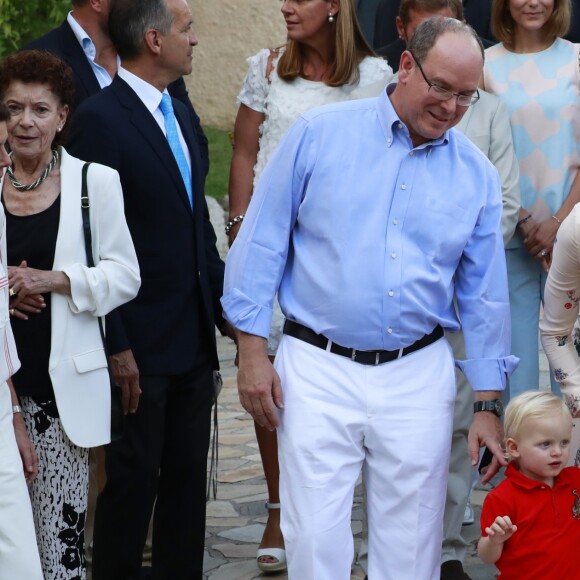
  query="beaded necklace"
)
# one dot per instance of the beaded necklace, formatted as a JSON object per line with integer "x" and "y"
{"x": 22, "y": 187}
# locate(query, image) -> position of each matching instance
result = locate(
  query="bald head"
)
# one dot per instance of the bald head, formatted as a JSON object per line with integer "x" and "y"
{"x": 438, "y": 76}
{"x": 430, "y": 30}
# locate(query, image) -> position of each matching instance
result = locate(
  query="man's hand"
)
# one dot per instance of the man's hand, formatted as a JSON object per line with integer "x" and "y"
{"x": 486, "y": 430}
{"x": 26, "y": 449}
{"x": 258, "y": 383}
{"x": 126, "y": 374}
{"x": 501, "y": 530}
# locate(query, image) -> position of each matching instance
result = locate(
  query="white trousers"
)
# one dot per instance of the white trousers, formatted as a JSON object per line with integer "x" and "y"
{"x": 19, "y": 558}
{"x": 394, "y": 421}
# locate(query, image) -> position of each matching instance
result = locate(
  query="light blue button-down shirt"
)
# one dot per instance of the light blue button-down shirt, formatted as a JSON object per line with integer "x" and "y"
{"x": 103, "y": 77}
{"x": 366, "y": 238}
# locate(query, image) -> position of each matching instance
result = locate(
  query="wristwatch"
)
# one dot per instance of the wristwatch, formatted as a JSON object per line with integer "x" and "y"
{"x": 495, "y": 406}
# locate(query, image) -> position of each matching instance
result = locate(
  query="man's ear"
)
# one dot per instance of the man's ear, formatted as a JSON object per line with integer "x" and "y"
{"x": 406, "y": 66}
{"x": 153, "y": 40}
{"x": 400, "y": 28}
{"x": 511, "y": 446}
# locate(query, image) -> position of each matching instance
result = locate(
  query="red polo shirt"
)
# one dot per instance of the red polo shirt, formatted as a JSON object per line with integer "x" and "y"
{"x": 546, "y": 545}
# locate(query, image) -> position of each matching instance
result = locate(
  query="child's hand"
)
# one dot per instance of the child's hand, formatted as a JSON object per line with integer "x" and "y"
{"x": 501, "y": 530}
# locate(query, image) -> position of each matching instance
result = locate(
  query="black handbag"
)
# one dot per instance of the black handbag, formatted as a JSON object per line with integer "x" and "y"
{"x": 117, "y": 415}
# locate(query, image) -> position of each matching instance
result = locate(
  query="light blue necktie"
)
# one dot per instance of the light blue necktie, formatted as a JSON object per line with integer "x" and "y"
{"x": 173, "y": 140}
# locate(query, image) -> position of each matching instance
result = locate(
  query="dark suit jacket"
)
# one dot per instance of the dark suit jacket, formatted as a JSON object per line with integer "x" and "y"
{"x": 63, "y": 43}
{"x": 478, "y": 16}
{"x": 366, "y": 11}
{"x": 181, "y": 272}
{"x": 385, "y": 24}
{"x": 574, "y": 32}
{"x": 392, "y": 53}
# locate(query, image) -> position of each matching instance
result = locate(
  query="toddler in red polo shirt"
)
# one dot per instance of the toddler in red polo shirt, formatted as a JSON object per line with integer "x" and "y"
{"x": 531, "y": 521}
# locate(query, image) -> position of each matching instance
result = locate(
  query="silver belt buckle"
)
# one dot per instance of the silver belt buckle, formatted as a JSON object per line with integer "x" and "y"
{"x": 400, "y": 352}
{"x": 376, "y": 359}
{"x": 353, "y": 355}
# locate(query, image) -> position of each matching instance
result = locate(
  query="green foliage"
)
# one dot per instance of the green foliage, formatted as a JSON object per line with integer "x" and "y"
{"x": 24, "y": 20}
{"x": 220, "y": 155}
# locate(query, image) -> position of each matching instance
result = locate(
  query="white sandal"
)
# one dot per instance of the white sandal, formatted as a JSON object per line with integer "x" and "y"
{"x": 277, "y": 553}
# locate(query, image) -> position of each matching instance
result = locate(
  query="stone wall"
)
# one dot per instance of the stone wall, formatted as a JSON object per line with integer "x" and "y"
{"x": 228, "y": 31}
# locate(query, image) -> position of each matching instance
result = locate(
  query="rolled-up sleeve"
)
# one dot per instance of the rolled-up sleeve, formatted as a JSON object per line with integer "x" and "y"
{"x": 256, "y": 261}
{"x": 483, "y": 299}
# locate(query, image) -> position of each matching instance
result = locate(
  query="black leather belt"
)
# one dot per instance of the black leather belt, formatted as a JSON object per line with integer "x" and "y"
{"x": 364, "y": 357}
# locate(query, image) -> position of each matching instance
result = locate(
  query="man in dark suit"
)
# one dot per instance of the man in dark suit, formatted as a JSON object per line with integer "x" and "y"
{"x": 85, "y": 29}
{"x": 163, "y": 342}
{"x": 84, "y": 43}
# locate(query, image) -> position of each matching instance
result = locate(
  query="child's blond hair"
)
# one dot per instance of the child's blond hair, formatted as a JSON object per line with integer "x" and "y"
{"x": 529, "y": 406}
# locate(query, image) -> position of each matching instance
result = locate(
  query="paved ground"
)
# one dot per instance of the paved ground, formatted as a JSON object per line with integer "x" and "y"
{"x": 235, "y": 521}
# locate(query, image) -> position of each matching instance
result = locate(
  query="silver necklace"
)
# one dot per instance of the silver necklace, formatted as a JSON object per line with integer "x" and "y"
{"x": 22, "y": 187}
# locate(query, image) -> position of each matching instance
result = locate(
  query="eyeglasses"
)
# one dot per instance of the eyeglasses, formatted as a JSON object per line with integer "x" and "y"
{"x": 442, "y": 94}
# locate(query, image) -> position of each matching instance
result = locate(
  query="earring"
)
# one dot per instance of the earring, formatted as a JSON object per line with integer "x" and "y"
{"x": 330, "y": 18}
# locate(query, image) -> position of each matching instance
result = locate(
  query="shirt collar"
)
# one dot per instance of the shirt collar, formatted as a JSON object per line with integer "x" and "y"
{"x": 150, "y": 96}
{"x": 519, "y": 479}
{"x": 393, "y": 126}
{"x": 84, "y": 39}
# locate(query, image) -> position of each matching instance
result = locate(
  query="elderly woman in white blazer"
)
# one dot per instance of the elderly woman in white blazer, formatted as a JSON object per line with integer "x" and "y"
{"x": 56, "y": 299}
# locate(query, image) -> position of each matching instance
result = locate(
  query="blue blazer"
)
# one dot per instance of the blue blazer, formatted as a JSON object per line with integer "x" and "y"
{"x": 179, "y": 263}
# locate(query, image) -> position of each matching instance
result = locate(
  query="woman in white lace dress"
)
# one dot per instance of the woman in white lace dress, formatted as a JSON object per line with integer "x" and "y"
{"x": 325, "y": 60}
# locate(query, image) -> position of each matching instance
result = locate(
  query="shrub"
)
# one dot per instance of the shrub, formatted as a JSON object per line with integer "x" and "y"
{"x": 24, "y": 20}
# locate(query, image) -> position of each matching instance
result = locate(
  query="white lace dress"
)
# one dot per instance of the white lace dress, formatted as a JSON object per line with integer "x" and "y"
{"x": 283, "y": 102}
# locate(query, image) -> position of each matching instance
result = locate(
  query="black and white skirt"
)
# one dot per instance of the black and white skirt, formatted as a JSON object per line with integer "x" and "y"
{"x": 59, "y": 493}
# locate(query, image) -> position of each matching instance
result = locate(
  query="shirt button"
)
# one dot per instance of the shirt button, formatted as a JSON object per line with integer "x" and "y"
{"x": 396, "y": 222}
{"x": 391, "y": 293}
{"x": 399, "y": 125}
{"x": 393, "y": 255}
{"x": 390, "y": 330}
{"x": 403, "y": 186}
{"x": 389, "y": 140}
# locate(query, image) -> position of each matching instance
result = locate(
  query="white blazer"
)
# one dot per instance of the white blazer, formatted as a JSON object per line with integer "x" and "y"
{"x": 77, "y": 364}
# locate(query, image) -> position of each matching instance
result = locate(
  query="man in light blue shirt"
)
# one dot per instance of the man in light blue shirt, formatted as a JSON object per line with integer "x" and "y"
{"x": 368, "y": 218}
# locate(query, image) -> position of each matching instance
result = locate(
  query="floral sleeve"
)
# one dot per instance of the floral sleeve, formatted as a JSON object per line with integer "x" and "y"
{"x": 559, "y": 329}
{"x": 255, "y": 86}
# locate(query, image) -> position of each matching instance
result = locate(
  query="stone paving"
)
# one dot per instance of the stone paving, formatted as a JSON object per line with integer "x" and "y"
{"x": 235, "y": 521}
